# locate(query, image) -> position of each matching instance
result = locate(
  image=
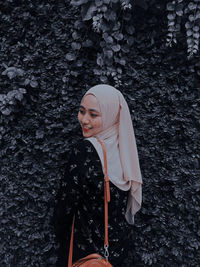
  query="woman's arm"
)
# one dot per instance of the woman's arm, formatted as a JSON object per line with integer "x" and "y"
{"x": 67, "y": 200}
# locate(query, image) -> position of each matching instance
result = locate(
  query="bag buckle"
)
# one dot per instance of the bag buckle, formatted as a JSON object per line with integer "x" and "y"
{"x": 106, "y": 252}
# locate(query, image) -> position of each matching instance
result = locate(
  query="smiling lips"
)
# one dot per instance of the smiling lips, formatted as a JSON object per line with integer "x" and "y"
{"x": 86, "y": 129}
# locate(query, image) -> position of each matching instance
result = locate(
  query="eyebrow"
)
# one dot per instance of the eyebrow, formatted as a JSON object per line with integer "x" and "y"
{"x": 90, "y": 109}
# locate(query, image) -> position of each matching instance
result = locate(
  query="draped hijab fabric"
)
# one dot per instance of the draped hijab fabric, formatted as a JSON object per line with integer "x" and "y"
{"x": 118, "y": 137}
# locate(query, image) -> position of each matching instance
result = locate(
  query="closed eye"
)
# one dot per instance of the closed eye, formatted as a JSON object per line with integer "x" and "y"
{"x": 81, "y": 111}
{"x": 93, "y": 115}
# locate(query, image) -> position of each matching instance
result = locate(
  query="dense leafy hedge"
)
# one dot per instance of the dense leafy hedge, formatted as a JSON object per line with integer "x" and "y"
{"x": 52, "y": 52}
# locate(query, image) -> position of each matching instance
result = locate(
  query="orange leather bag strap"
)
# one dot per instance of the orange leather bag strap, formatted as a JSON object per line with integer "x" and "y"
{"x": 71, "y": 244}
{"x": 106, "y": 194}
{"x": 106, "y": 200}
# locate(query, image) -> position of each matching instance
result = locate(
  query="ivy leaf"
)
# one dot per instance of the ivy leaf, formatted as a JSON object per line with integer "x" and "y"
{"x": 79, "y": 63}
{"x": 8, "y": 69}
{"x": 104, "y": 8}
{"x": 22, "y": 90}
{"x": 19, "y": 96}
{"x": 179, "y": 13}
{"x": 109, "y": 53}
{"x": 196, "y": 35}
{"x": 75, "y": 35}
{"x": 6, "y": 111}
{"x": 27, "y": 81}
{"x": 189, "y": 41}
{"x": 130, "y": 40}
{"x": 99, "y": 61}
{"x": 189, "y": 32}
{"x": 2, "y": 97}
{"x": 39, "y": 134}
{"x": 107, "y": 38}
{"x": 170, "y": 6}
{"x": 191, "y": 18}
{"x": 20, "y": 72}
{"x": 197, "y": 16}
{"x": 171, "y": 22}
{"x": 76, "y": 46}
{"x": 130, "y": 29}
{"x": 116, "y": 26}
{"x": 116, "y": 48}
{"x": 78, "y": 24}
{"x": 170, "y": 34}
{"x": 110, "y": 15}
{"x": 196, "y": 28}
{"x": 11, "y": 94}
{"x": 70, "y": 56}
{"x": 122, "y": 62}
{"x": 119, "y": 70}
{"x": 171, "y": 28}
{"x": 87, "y": 11}
{"x": 125, "y": 48}
{"x": 74, "y": 73}
{"x": 104, "y": 79}
{"x": 192, "y": 6}
{"x": 11, "y": 74}
{"x": 98, "y": 3}
{"x": 171, "y": 16}
{"x": 118, "y": 36}
{"x": 179, "y": 7}
{"x": 102, "y": 44}
{"x": 97, "y": 71}
{"x": 188, "y": 25}
{"x": 78, "y": 2}
{"x": 64, "y": 79}
{"x": 33, "y": 83}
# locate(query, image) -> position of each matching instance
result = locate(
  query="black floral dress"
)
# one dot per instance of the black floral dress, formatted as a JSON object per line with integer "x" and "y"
{"x": 82, "y": 193}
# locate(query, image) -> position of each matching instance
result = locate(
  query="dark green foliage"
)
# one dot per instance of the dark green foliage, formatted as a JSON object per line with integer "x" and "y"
{"x": 51, "y": 53}
{"x": 187, "y": 14}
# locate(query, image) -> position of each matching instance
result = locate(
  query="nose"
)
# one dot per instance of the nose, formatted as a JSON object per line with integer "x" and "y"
{"x": 85, "y": 119}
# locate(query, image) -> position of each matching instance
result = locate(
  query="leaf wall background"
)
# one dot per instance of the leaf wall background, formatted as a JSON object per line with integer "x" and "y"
{"x": 49, "y": 58}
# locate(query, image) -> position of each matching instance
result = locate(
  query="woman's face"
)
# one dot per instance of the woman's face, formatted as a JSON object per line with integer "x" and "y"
{"x": 90, "y": 116}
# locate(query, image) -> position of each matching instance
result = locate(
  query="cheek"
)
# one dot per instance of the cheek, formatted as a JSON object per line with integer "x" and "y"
{"x": 79, "y": 116}
{"x": 99, "y": 123}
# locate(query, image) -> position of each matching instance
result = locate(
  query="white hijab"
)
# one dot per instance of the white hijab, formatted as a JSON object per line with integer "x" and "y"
{"x": 118, "y": 137}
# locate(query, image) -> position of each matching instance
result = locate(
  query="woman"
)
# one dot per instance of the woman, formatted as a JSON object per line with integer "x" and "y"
{"x": 103, "y": 114}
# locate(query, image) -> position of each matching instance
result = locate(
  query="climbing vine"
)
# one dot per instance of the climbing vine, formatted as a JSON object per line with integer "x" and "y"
{"x": 187, "y": 13}
{"x": 110, "y": 22}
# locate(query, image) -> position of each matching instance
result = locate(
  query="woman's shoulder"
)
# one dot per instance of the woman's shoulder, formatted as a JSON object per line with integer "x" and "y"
{"x": 82, "y": 146}
{"x": 82, "y": 156}
{"x": 81, "y": 149}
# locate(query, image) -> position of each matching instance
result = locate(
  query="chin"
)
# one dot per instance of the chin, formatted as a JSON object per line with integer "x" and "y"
{"x": 87, "y": 135}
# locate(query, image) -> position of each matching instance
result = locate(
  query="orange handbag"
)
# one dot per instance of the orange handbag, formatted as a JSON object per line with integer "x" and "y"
{"x": 95, "y": 260}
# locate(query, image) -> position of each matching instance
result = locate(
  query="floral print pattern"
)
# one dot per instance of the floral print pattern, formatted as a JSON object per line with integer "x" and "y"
{"x": 82, "y": 193}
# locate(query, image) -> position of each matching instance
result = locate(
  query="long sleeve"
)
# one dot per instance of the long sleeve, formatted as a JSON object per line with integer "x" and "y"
{"x": 67, "y": 201}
